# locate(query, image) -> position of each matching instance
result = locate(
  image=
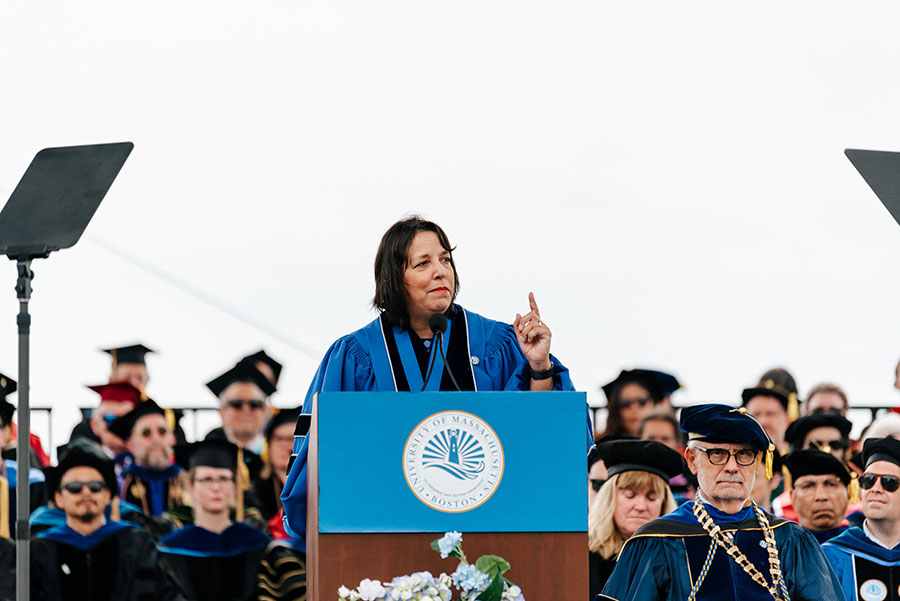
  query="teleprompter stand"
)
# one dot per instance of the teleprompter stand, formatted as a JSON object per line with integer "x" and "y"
{"x": 49, "y": 210}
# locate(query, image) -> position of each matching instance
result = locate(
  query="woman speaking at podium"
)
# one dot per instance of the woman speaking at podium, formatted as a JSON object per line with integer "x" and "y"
{"x": 406, "y": 347}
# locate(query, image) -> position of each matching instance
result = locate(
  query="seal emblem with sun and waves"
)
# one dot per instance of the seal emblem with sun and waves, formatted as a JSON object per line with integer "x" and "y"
{"x": 453, "y": 461}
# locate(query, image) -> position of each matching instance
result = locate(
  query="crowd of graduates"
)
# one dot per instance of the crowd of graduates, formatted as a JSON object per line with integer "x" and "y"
{"x": 810, "y": 472}
{"x": 131, "y": 511}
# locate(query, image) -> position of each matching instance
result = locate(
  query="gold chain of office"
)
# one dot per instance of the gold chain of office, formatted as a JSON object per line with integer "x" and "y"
{"x": 720, "y": 539}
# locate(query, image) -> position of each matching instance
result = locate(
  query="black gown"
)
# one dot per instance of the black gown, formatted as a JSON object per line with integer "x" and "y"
{"x": 115, "y": 563}
{"x": 205, "y": 566}
{"x": 600, "y": 569}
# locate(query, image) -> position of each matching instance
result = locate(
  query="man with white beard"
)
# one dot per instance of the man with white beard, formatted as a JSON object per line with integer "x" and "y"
{"x": 151, "y": 481}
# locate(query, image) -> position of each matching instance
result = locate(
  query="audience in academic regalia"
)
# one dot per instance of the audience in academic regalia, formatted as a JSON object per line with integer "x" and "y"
{"x": 90, "y": 557}
{"x": 8, "y": 475}
{"x": 823, "y": 487}
{"x": 243, "y": 393}
{"x": 632, "y": 396}
{"x": 215, "y": 558}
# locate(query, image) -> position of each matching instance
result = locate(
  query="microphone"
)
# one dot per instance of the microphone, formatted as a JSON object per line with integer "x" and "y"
{"x": 438, "y": 323}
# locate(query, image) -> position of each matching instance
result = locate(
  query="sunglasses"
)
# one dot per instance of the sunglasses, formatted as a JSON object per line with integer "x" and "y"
{"x": 837, "y": 445}
{"x": 146, "y": 432}
{"x": 252, "y": 403}
{"x": 596, "y": 484}
{"x": 76, "y": 486}
{"x": 110, "y": 419}
{"x": 641, "y": 402}
{"x": 888, "y": 483}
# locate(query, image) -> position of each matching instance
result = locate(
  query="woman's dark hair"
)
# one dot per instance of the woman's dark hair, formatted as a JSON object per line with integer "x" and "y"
{"x": 390, "y": 264}
{"x": 614, "y": 424}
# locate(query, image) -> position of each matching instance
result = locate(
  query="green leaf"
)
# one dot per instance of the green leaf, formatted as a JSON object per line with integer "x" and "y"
{"x": 434, "y": 545}
{"x": 494, "y": 592}
{"x": 492, "y": 565}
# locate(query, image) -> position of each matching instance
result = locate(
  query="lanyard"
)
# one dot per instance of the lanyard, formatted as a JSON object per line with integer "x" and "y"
{"x": 411, "y": 364}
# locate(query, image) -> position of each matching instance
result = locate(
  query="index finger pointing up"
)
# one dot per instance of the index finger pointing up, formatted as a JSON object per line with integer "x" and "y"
{"x": 533, "y": 304}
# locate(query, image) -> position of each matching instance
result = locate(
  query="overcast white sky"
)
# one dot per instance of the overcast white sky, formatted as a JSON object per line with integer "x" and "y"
{"x": 668, "y": 178}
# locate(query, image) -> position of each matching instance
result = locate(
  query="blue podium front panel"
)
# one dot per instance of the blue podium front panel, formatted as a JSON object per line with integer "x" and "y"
{"x": 467, "y": 461}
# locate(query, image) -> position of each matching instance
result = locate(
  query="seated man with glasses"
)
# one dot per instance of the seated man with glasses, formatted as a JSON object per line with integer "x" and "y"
{"x": 243, "y": 393}
{"x": 215, "y": 558}
{"x": 867, "y": 560}
{"x": 151, "y": 480}
{"x": 722, "y": 545}
{"x": 823, "y": 487}
{"x": 91, "y": 557}
{"x": 824, "y": 431}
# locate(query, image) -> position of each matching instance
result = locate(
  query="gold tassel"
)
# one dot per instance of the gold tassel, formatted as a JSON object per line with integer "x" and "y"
{"x": 793, "y": 408}
{"x": 264, "y": 455}
{"x": 770, "y": 458}
{"x": 4, "y": 508}
{"x": 853, "y": 488}
{"x": 114, "y": 511}
{"x": 242, "y": 476}
{"x": 170, "y": 419}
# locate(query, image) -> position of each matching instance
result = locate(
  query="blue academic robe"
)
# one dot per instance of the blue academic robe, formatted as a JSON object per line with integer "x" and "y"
{"x": 664, "y": 557}
{"x": 155, "y": 483}
{"x": 865, "y": 569}
{"x": 360, "y": 362}
{"x": 35, "y": 485}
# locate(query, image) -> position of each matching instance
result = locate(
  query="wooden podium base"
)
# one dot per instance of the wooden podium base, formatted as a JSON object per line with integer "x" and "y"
{"x": 546, "y": 565}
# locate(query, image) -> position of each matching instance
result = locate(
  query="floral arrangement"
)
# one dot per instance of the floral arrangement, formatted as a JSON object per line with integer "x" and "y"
{"x": 481, "y": 581}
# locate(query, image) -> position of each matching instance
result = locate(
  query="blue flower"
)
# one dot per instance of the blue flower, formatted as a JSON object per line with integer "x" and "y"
{"x": 469, "y": 579}
{"x": 447, "y": 543}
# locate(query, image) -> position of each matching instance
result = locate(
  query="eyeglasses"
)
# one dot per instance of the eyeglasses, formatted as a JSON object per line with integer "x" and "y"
{"x": 641, "y": 402}
{"x": 252, "y": 403}
{"x": 77, "y": 486}
{"x": 742, "y": 457}
{"x": 596, "y": 484}
{"x": 210, "y": 481}
{"x": 146, "y": 432}
{"x": 888, "y": 483}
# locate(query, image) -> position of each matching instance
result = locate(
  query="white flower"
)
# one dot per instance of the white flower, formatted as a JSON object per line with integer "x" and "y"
{"x": 448, "y": 542}
{"x": 354, "y": 596}
{"x": 512, "y": 593}
{"x": 370, "y": 590}
{"x": 343, "y": 592}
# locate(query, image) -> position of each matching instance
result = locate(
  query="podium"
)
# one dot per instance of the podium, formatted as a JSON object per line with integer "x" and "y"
{"x": 390, "y": 472}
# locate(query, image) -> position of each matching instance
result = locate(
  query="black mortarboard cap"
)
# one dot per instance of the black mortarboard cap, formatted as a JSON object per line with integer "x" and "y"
{"x": 210, "y": 453}
{"x": 242, "y": 372}
{"x": 768, "y": 388}
{"x": 261, "y": 355}
{"x": 84, "y": 455}
{"x": 7, "y": 386}
{"x": 6, "y": 412}
{"x": 798, "y": 430}
{"x": 719, "y": 423}
{"x": 640, "y": 455}
{"x": 816, "y": 463}
{"x": 133, "y": 353}
{"x": 284, "y": 416}
{"x": 123, "y": 425}
{"x": 881, "y": 449}
{"x": 659, "y": 384}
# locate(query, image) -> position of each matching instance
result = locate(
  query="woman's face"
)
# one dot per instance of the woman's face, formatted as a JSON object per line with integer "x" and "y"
{"x": 635, "y": 403}
{"x": 428, "y": 277}
{"x": 634, "y": 508}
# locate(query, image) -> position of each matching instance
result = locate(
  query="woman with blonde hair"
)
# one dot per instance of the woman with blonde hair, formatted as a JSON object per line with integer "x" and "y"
{"x": 635, "y": 492}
